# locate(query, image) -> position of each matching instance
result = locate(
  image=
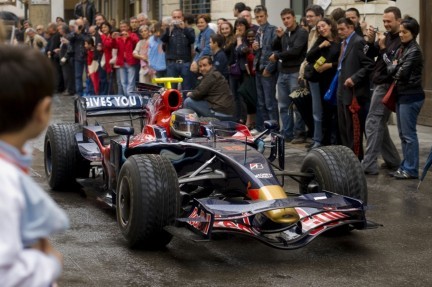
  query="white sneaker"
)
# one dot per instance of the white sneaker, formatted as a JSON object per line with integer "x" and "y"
{"x": 254, "y": 132}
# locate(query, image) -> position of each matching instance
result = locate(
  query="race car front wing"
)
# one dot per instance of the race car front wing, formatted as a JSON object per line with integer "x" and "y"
{"x": 318, "y": 212}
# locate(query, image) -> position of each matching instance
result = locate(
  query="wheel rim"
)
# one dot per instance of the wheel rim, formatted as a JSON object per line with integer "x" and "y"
{"x": 124, "y": 202}
{"x": 48, "y": 158}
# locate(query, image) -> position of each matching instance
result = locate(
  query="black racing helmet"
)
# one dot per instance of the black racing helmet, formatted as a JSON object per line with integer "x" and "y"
{"x": 184, "y": 123}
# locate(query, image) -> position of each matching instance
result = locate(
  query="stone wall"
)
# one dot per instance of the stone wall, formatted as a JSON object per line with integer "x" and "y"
{"x": 40, "y": 14}
{"x": 371, "y": 12}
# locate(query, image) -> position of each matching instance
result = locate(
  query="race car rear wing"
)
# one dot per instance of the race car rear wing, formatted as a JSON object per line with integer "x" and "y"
{"x": 110, "y": 105}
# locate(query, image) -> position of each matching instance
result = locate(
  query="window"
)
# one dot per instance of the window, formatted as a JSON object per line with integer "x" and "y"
{"x": 195, "y": 7}
{"x": 299, "y": 7}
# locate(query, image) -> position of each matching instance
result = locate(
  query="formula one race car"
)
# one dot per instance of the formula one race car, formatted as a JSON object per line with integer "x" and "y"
{"x": 180, "y": 174}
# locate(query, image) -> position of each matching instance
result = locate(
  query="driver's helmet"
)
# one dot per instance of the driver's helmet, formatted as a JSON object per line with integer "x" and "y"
{"x": 184, "y": 123}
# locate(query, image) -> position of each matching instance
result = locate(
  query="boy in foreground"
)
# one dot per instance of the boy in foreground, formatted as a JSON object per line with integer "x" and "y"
{"x": 28, "y": 216}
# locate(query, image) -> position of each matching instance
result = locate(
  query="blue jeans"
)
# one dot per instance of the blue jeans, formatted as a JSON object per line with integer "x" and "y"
{"x": 407, "y": 115}
{"x": 202, "y": 108}
{"x": 79, "y": 70}
{"x": 103, "y": 82}
{"x": 127, "y": 78}
{"x": 286, "y": 84}
{"x": 181, "y": 70}
{"x": 267, "y": 106}
{"x": 317, "y": 111}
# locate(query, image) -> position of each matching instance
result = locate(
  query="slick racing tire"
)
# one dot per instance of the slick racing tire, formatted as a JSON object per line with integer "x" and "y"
{"x": 147, "y": 200}
{"x": 335, "y": 169}
{"x": 63, "y": 162}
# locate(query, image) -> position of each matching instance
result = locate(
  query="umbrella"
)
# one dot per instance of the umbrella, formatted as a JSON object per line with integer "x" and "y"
{"x": 8, "y": 16}
{"x": 355, "y": 108}
{"x": 426, "y": 168}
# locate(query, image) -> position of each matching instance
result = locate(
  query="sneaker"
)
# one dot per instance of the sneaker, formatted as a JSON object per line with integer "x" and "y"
{"x": 254, "y": 132}
{"x": 395, "y": 173}
{"x": 404, "y": 175}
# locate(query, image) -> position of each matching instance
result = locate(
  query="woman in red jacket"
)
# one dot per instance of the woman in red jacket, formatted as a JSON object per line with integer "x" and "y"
{"x": 107, "y": 47}
{"x": 125, "y": 43}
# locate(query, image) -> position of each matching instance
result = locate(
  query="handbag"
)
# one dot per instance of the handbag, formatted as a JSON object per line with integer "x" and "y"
{"x": 330, "y": 95}
{"x": 235, "y": 70}
{"x": 309, "y": 72}
{"x": 389, "y": 99}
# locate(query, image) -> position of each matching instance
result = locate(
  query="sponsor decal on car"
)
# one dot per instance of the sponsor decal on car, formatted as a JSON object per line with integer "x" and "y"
{"x": 113, "y": 102}
{"x": 264, "y": 175}
{"x": 256, "y": 166}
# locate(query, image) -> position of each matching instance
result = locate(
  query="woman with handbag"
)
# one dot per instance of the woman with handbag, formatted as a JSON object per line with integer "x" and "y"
{"x": 237, "y": 68}
{"x": 406, "y": 69}
{"x": 323, "y": 61}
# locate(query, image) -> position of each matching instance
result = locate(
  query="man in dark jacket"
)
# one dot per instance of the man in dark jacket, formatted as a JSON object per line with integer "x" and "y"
{"x": 86, "y": 10}
{"x": 354, "y": 69}
{"x": 213, "y": 94}
{"x": 52, "y": 51}
{"x": 377, "y": 133}
{"x": 66, "y": 60}
{"x": 290, "y": 49}
{"x": 178, "y": 39}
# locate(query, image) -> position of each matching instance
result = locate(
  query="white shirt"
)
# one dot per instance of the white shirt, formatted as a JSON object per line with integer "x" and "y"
{"x": 20, "y": 266}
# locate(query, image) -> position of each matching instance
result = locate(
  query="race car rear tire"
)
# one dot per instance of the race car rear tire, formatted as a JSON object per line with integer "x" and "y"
{"x": 335, "y": 169}
{"x": 63, "y": 162}
{"x": 147, "y": 200}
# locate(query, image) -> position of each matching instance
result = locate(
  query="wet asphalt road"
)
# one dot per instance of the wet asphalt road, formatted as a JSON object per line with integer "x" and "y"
{"x": 397, "y": 254}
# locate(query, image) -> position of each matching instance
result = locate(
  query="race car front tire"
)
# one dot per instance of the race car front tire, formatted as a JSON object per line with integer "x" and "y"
{"x": 147, "y": 200}
{"x": 63, "y": 162}
{"x": 335, "y": 169}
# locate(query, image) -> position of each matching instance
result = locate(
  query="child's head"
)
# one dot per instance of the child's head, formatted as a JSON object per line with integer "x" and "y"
{"x": 216, "y": 41}
{"x": 27, "y": 84}
{"x": 89, "y": 43}
{"x": 250, "y": 35}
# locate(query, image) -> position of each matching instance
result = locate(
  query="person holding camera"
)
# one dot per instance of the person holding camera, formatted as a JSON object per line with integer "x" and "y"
{"x": 76, "y": 42}
{"x": 178, "y": 40}
{"x": 125, "y": 42}
{"x": 377, "y": 133}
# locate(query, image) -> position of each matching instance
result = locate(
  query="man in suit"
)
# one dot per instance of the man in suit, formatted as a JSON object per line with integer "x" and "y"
{"x": 353, "y": 94}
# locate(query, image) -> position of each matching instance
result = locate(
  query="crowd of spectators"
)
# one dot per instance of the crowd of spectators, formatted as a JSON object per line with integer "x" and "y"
{"x": 338, "y": 57}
